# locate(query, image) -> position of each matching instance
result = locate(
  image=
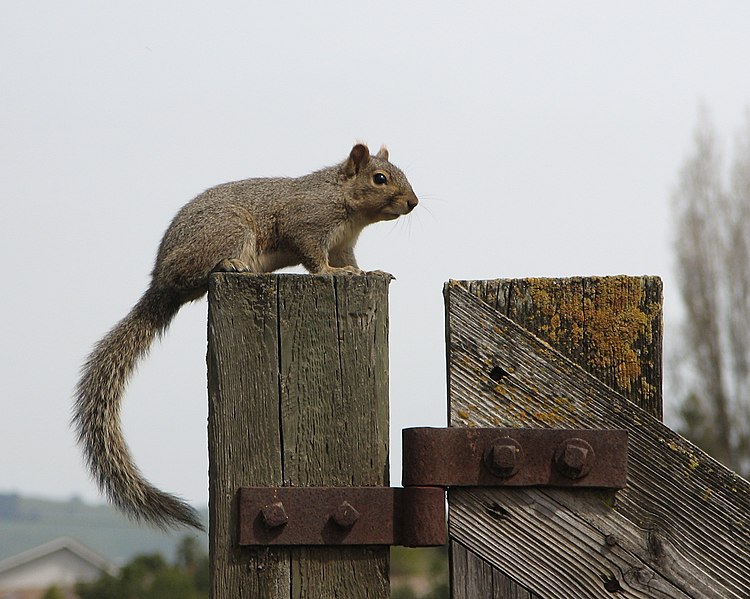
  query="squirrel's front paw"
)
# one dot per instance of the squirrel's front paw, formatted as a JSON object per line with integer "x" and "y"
{"x": 231, "y": 265}
{"x": 340, "y": 270}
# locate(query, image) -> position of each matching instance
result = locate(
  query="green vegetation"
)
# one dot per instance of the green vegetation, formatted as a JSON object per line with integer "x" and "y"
{"x": 54, "y": 592}
{"x": 151, "y": 577}
{"x": 420, "y": 573}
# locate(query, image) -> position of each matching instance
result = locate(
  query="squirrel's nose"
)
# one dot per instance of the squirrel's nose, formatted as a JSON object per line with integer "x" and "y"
{"x": 411, "y": 203}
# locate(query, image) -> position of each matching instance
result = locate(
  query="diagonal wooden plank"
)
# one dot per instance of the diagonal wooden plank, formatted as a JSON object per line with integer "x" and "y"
{"x": 480, "y": 579}
{"x": 681, "y": 528}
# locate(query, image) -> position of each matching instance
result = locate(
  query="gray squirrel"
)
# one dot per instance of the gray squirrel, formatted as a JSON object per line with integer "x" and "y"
{"x": 254, "y": 225}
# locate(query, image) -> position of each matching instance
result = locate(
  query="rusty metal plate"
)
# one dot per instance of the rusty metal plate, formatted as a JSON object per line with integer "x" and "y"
{"x": 414, "y": 517}
{"x": 460, "y": 457}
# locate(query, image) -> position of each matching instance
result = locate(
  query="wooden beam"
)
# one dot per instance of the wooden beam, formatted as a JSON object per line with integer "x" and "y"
{"x": 298, "y": 395}
{"x": 680, "y": 528}
{"x": 610, "y": 326}
{"x": 479, "y": 579}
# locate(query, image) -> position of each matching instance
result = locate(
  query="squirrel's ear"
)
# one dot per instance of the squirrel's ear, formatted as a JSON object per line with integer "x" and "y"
{"x": 383, "y": 153}
{"x": 358, "y": 158}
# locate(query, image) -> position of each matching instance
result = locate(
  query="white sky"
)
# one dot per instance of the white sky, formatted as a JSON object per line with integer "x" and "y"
{"x": 543, "y": 138}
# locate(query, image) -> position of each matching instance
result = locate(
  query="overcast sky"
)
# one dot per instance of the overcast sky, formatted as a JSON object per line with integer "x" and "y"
{"x": 543, "y": 138}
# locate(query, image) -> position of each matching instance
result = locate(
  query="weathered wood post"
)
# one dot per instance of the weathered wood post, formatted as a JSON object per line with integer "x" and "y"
{"x": 298, "y": 396}
{"x": 610, "y": 326}
{"x": 678, "y": 529}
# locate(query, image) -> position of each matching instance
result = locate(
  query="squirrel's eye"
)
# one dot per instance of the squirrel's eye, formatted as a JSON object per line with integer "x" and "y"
{"x": 379, "y": 179}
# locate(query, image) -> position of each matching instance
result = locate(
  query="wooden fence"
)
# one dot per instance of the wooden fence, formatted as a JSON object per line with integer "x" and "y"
{"x": 298, "y": 388}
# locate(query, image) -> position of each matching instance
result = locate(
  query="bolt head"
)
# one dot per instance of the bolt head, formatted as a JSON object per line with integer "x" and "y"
{"x": 503, "y": 458}
{"x": 274, "y": 515}
{"x": 345, "y": 515}
{"x": 574, "y": 458}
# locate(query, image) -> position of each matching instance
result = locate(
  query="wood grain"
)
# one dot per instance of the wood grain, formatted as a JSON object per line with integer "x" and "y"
{"x": 554, "y": 542}
{"x": 610, "y": 326}
{"x": 298, "y": 384}
{"x": 244, "y": 436}
{"x": 479, "y": 579}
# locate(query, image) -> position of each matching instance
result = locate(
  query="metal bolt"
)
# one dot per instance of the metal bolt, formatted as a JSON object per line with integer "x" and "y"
{"x": 504, "y": 457}
{"x": 574, "y": 458}
{"x": 274, "y": 515}
{"x": 345, "y": 515}
{"x": 610, "y": 540}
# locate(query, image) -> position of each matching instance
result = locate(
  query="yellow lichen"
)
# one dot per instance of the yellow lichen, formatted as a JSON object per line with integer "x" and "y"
{"x": 610, "y": 315}
{"x": 552, "y": 418}
{"x": 604, "y": 323}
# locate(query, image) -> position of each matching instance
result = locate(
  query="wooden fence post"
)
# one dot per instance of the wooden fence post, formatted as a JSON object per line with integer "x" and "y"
{"x": 298, "y": 395}
{"x": 679, "y": 528}
{"x": 610, "y": 326}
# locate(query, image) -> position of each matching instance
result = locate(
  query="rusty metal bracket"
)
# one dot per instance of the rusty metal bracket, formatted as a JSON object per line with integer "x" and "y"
{"x": 413, "y": 517}
{"x": 510, "y": 457}
{"x": 433, "y": 459}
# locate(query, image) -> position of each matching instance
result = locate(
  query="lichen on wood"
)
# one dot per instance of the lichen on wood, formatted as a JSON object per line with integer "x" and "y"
{"x": 611, "y": 326}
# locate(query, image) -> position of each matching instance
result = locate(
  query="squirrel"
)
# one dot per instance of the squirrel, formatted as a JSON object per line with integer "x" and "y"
{"x": 254, "y": 225}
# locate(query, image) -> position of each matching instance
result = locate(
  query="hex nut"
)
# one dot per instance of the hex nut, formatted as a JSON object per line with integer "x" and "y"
{"x": 345, "y": 515}
{"x": 503, "y": 458}
{"x": 274, "y": 515}
{"x": 574, "y": 458}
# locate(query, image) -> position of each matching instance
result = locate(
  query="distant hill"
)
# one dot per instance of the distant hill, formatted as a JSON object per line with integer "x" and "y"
{"x": 27, "y": 522}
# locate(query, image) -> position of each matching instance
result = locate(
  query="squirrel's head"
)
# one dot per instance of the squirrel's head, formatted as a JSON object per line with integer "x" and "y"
{"x": 378, "y": 189}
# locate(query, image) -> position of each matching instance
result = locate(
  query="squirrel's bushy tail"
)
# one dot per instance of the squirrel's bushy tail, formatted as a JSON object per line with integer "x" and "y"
{"x": 97, "y": 414}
